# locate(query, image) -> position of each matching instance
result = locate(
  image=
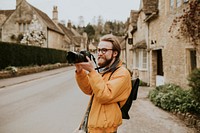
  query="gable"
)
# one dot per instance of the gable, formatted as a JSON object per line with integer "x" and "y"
{"x": 25, "y": 12}
{"x": 49, "y": 23}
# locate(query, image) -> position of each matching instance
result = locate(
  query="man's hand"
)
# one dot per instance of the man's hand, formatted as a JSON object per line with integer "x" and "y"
{"x": 88, "y": 66}
{"x": 78, "y": 67}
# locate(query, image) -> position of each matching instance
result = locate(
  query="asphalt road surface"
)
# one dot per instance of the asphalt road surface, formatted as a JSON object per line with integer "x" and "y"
{"x": 41, "y": 104}
{"x": 50, "y": 102}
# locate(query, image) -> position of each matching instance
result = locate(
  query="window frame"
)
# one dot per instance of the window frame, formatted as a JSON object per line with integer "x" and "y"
{"x": 140, "y": 59}
{"x": 178, "y": 3}
{"x": 171, "y": 4}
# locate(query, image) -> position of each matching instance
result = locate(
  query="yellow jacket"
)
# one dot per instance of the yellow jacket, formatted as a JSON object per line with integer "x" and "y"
{"x": 105, "y": 115}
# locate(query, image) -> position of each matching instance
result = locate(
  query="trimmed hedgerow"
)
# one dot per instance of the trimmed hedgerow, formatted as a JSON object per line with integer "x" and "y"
{"x": 22, "y": 55}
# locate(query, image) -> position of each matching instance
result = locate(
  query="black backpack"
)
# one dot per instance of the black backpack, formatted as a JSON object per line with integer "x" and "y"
{"x": 133, "y": 96}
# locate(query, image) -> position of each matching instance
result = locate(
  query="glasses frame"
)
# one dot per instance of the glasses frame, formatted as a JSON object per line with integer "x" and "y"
{"x": 102, "y": 50}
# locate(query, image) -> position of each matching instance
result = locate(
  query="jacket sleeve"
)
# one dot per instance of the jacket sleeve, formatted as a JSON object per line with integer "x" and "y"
{"x": 114, "y": 90}
{"x": 83, "y": 82}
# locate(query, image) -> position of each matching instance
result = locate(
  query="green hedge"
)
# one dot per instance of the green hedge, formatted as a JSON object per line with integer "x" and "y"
{"x": 173, "y": 98}
{"x": 12, "y": 54}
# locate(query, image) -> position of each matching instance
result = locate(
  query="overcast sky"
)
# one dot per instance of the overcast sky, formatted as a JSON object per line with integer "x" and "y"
{"x": 73, "y": 9}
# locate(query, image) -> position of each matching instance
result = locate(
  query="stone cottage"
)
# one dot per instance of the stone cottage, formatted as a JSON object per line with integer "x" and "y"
{"x": 154, "y": 54}
{"x": 29, "y": 25}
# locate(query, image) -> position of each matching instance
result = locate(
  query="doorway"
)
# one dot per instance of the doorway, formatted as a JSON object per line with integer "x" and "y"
{"x": 157, "y": 66}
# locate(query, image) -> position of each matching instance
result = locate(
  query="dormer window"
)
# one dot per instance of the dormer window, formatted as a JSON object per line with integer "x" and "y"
{"x": 23, "y": 27}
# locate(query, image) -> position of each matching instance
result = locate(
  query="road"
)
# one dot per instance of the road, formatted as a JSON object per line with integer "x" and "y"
{"x": 50, "y": 102}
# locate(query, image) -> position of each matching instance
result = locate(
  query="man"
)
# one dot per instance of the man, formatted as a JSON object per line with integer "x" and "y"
{"x": 108, "y": 91}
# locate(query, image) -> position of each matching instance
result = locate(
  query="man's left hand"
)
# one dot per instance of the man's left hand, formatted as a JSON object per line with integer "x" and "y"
{"x": 88, "y": 66}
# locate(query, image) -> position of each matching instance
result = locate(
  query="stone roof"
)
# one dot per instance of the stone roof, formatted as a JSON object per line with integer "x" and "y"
{"x": 133, "y": 19}
{"x": 141, "y": 44}
{"x": 150, "y": 6}
{"x": 7, "y": 13}
{"x": 68, "y": 32}
{"x": 4, "y": 14}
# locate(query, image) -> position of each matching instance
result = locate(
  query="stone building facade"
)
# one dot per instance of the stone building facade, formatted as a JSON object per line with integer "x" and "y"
{"x": 26, "y": 24}
{"x": 155, "y": 56}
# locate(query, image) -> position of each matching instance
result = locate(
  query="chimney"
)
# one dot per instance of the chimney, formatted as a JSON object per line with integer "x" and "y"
{"x": 69, "y": 24}
{"x": 18, "y": 2}
{"x": 55, "y": 14}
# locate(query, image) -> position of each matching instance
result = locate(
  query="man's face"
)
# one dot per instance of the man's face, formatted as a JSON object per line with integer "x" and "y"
{"x": 105, "y": 53}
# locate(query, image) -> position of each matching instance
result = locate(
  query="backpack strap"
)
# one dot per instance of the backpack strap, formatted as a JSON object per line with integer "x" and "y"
{"x": 109, "y": 79}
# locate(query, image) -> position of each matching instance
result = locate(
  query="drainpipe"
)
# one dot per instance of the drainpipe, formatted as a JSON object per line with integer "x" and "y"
{"x": 47, "y": 38}
{"x": 126, "y": 60}
{"x": 148, "y": 54}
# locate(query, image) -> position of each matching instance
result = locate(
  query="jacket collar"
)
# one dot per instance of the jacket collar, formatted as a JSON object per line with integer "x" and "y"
{"x": 117, "y": 63}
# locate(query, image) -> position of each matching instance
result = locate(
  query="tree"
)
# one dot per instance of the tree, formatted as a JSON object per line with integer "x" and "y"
{"x": 89, "y": 29}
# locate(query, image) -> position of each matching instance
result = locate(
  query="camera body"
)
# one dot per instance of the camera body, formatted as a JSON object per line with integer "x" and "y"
{"x": 76, "y": 57}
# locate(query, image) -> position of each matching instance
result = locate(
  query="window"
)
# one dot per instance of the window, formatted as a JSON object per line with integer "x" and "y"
{"x": 191, "y": 60}
{"x": 171, "y": 4}
{"x": 144, "y": 58}
{"x": 178, "y": 3}
{"x": 23, "y": 27}
{"x": 137, "y": 59}
{"x": 141, "y": 59}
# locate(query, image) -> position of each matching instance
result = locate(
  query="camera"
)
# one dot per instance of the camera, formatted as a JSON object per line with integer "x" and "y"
{"x": 76, "y": 57}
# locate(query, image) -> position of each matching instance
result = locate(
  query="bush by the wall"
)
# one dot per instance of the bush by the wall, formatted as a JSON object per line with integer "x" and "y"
{"x": 173, "y": 98}
{"x": 22, "y": 55}
{"x": 194, "y": 83}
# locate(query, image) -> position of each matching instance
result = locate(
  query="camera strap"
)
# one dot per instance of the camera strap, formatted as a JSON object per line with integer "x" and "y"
{"x": 93, "y": 58}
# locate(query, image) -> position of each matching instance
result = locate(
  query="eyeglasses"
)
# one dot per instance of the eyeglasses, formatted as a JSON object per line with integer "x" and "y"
{"x": 103, "y": 50}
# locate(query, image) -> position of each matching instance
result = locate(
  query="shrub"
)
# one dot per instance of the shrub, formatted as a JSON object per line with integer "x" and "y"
{"x": 173, "y": 98}
{"x": 194, "y": 83}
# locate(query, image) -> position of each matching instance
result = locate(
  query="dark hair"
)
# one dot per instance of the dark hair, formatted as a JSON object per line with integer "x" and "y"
{"x": 115, "y": 42}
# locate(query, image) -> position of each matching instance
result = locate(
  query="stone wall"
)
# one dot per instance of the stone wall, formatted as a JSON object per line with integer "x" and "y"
{"x": 173, "y": 50}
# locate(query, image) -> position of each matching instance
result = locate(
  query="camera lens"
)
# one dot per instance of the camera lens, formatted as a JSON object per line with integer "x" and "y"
{"x": 73, "y": 57}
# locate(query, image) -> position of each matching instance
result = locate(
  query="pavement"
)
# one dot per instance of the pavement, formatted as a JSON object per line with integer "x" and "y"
{"x": 145, "y": 117}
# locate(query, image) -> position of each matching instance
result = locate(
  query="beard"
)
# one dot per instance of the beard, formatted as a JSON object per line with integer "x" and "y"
{"x": 103, "y": 62}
